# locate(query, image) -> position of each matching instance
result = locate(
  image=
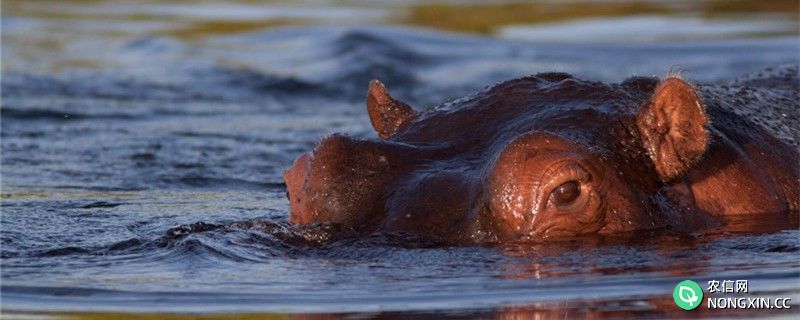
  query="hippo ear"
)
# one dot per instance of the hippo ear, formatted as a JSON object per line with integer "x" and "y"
{"x": 386, "y": 114}
{"x": 673, "y": 128}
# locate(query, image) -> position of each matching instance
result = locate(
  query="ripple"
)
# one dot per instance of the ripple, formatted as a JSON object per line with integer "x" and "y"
{"x": 163, "y": 190}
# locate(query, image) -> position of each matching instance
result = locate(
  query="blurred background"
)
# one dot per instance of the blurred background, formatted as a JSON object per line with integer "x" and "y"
{"x": 143, "y": 146}
{"x": 81, "y": 31}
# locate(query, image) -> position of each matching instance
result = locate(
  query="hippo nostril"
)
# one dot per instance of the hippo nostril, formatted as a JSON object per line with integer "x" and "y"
{"x": 293, "y": 177}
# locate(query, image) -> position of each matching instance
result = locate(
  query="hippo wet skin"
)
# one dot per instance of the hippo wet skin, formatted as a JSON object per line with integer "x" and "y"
{"x": 552, "y": 156}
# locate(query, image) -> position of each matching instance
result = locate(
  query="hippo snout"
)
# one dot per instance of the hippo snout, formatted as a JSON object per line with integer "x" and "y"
{"x": 313, "y": 181}
{"x": 342, "y": 180}
{"x": 295, "y": 178}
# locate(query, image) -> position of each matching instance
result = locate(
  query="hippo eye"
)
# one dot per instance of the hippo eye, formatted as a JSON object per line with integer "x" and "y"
{"x": 566, "y": 193}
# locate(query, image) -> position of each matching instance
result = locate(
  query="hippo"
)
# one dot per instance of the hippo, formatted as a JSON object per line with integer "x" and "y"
{"x": 552, "y": 156}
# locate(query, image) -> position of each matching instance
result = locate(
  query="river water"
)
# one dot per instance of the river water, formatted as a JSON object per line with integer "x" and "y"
{"x": 142, "y": 172}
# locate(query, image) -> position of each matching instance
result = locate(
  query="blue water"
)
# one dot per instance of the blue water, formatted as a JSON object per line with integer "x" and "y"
{"x": 143, "y": 173}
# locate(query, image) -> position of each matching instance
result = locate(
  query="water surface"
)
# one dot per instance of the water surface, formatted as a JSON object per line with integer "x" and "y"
{"x": 141, "y": 171}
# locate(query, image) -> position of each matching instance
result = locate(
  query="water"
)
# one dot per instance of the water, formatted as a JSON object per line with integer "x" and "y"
{"x": 141, "y": 172}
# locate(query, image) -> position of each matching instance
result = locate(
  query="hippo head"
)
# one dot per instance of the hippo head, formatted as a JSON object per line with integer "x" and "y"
{"x": 540, "y": 157}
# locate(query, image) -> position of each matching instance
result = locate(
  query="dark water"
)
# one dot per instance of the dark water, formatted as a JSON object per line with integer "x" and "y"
{"x": 151, "y": 181}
